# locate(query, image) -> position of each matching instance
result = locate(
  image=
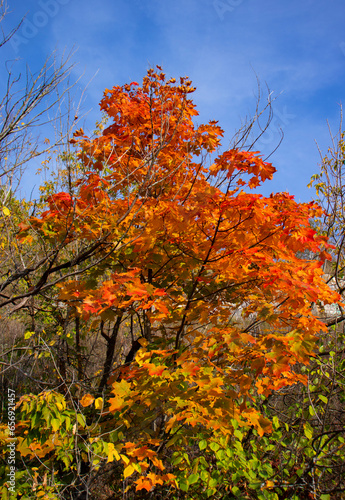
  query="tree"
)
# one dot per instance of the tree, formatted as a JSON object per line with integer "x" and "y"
{"x": 320, "y": 411}
{"x": 158, "y": 232}
{"x": 27, "y": 105}
{"x": 30, "y": 104}
{"x": 329, "y": 186}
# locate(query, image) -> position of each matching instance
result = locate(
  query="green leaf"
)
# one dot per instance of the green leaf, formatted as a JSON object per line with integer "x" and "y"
{"x": 238, "y": 434}
{"x": 308, "y": 430}
{"x": 221, "y": 455}
{"x": 323, "y": 398}
{"x": 193, "y": 478}
{"x": 173, "y": 440}
{"x": 183, "y": 486}
{"x": 204, "y": 475}
{"x": 81, "y": 420}
{"x": 202, "y": 444}
{"x": 55, "y": 423}
{"x": 176, "y": 460}
{"x": 275, "y": 422}
{"x": 234, "y": 423}
{"x": 214, "y": 446}
{"x": 68, "y": 423}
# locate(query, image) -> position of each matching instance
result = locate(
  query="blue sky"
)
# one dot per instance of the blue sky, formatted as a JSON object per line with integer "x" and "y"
{"x": 296, "y": 48}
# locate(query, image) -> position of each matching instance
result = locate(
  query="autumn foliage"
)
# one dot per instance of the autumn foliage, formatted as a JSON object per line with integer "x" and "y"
{"x": 211, "y": 276}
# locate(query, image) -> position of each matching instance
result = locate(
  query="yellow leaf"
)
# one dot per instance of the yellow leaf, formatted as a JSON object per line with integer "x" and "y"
{"x": 128, "y": 471}
{"x": 87, "y": 400}
{"x": 6, "y": 211}
{"x": 55, "y": 423}
{"x": 112, "y": 452}
{"x": 99, "y": 403}
{"x": 122, "y": 388}
{"x": 125, "y": 459}
{"x": 60, "y": 404}
{"x": 27, "y": 335}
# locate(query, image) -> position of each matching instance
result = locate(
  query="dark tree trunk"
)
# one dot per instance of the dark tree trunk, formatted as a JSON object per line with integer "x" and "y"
{"x": 111, "y": 342}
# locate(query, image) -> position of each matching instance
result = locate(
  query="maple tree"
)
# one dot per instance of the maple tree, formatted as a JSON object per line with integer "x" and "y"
{"x": 158, "y": 232}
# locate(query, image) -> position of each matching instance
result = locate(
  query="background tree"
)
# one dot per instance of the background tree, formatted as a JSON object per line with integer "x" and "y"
{"x": 329, "y": 186}
{"x": 30, "y": 105}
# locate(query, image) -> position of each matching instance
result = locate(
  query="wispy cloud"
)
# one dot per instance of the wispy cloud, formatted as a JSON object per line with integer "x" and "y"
{"x": 296, "y": 47}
